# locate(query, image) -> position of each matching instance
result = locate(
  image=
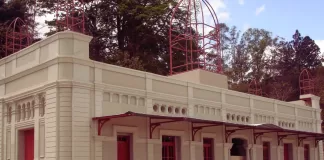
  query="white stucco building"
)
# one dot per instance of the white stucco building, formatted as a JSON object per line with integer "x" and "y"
{"x": 57, "y": 104}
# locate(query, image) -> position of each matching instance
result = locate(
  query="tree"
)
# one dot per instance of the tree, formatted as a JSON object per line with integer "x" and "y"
{"x": 9, "y": 10}
{"x": 138, "y": 28}
{"x": 240, "y": 63}
{"x": 293, "y": 56}
{"x": 256, "y": 42}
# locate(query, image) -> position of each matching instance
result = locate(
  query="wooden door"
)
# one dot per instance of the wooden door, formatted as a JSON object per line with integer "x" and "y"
{"x": 123, "y": 148}
{"x": 29, "y": 144}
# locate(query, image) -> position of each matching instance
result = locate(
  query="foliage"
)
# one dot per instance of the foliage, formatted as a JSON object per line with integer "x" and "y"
{"x": 9, "y": 10}
{"x": 135, "y": 34}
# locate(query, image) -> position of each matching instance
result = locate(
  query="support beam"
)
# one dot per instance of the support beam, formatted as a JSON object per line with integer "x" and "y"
{"x": 256, "y": 135}
{"x": 194, "y": 129}
{"x": 101, "y": 123}
{"x": 281, "y": 137}
{"x": 156, "y": 124}
{"x": 231, "y": 131}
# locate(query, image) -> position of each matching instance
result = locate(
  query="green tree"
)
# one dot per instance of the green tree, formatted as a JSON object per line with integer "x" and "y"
{"x": 9, "y": 10}
{"x": 257, "y": 42}
{"x": 138, "y": 28}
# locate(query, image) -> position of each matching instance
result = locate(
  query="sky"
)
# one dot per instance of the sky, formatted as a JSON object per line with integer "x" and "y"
{"x": 281, "y": 17}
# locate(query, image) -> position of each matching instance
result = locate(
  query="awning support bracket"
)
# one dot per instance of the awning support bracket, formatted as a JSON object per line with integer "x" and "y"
{"x": 258, "y": 134}
{"x": 194, "y": 130}
{"x": 317, "y": 141}
{"x": 281, "y": 137}
{"x": 101, "y": 123}
{"x": 156, "y": 124}
{"x": 228, "y": 133}
{"x": 300, "y": 140}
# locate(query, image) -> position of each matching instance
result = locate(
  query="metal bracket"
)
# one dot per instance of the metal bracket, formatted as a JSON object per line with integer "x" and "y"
{"x": 101, "y": 122}
{"x": 194, "y": 130}
{"x": 316, "y": 142}
{"x": 229, "y": 132}
{"x": 156, "y": 124}
{"x": 257, "y": 135}
{"x": 281, "y": 137}
{"x": 300, "y": 140}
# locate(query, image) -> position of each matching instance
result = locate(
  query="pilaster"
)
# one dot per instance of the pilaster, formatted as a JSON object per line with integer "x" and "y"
{"x": 13, "y": 133}
{"x": 254, "y": 150}
{"x": 279, "y": 152}
{"x": 300, "y": 153}
{"x": 227, "y": 151}
{"x": 36, "y": 126}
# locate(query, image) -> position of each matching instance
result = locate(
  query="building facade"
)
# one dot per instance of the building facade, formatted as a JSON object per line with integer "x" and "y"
{"x": 57, "y": 104}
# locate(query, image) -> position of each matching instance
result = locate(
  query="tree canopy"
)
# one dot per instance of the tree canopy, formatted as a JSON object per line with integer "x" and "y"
{"x": 135, "y": 34}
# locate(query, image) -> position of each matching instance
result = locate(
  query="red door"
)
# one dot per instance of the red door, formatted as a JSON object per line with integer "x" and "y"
{"x": 306, "y": 152}
{"x": 286, "y": 152}
{"x": 168, "y": 148}
{"x": 208, "y": 149}
{"x": 29, "y": 144}
{"x": 123, "y": 148}
{"x": 266, "y": 150}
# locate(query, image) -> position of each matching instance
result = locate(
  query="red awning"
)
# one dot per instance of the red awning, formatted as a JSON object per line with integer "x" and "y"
{"x": 198, "y": 124}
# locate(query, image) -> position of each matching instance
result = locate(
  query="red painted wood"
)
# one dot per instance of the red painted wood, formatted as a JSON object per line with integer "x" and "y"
{"x": 286, "y": 152}
{"x": 29, "y": 144}
{"x": 168, "y": 148}
{"x": 266, "y": 151}
{"x": 306, "y": 152}
{"x": 208, "y": 149}
{"x": 123, "y": 148}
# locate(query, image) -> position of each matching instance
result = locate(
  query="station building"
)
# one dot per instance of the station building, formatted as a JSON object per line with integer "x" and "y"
{"x": 57, "y": 104}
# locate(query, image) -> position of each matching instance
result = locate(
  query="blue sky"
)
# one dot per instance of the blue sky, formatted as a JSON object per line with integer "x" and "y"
{"x": 281, "y": 17}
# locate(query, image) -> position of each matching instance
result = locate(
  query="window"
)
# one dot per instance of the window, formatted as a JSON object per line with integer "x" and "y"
{"x": 266, "y": 150}
{"x": 168, "y": 148}
{"x": 306, "y": 152}
{"x": 208, "y": 149}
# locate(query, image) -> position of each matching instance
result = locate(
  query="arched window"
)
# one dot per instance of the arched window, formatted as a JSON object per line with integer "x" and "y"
{"x": 18, "y": 113}
{"x": 9, "y": 114}
{"x": 23, "y": 112}
{"x": 42, "y": 106}
{"x": 28, "y": 111}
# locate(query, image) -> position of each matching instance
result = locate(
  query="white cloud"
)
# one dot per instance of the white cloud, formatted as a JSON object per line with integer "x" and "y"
{"x": 241, "y": 2}
{"x": 320, "y": 44}
{"x": 223, "y": 16}
{"x": 220, "y": 8}
{"x": 260, "y": 9}
{"x": 42, "y": 27}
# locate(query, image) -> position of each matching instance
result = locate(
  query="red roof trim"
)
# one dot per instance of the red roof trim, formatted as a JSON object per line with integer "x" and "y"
{"x": 268, "y": 127}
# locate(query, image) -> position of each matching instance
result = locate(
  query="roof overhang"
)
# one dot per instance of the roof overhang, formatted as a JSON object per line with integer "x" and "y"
{"x": 198, "y": 124}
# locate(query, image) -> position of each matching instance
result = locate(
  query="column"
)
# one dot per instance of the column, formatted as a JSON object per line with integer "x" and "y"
{"x": 36, "y": 126}
{"x": 227, "y": 151}
{"x": 13, "y": 132}
{"x": 300, "y": 153}
{"x": 248, "y": 148}
{"x": 280, "y": 153}
{"x": 254, "y": 151}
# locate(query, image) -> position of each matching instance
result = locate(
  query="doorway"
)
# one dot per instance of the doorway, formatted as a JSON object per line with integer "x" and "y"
{"x": 29, "y": 144}
{"x": 123, "y": 143}
{"x": 168, "y": 148}
{"x": 238, "y": 151}
{"x": 288, "y": 154}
